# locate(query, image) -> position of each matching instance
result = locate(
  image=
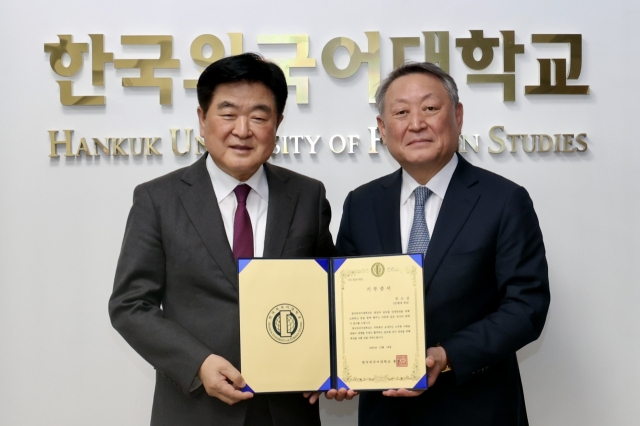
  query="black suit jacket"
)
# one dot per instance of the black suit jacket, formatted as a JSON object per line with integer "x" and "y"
{"x": 486, "y": 293}
{"x": 175, "y": 295}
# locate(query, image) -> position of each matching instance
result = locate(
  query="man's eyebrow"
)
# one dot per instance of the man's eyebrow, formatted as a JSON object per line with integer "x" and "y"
{"x": 398, "y": 100}
{"x": 262, "y": 107}
{"x": 227, "y": 104}
{"x": 259, "y": 107}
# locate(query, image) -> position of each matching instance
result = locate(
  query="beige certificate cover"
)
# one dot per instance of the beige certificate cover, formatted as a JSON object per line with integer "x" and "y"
{"x": 284, "y": 324}
{"x": 380, "y": 336}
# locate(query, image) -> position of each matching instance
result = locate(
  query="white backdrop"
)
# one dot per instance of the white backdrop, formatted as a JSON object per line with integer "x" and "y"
{"x": 62, "y": 220}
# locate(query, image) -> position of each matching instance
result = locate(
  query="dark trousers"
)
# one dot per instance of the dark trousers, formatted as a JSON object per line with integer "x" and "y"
{"x": 258, "y": 413}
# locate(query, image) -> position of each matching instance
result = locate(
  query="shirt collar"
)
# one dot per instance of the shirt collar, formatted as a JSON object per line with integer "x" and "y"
{"x": 438, "y": 183}
{"x": 224, "y": 184}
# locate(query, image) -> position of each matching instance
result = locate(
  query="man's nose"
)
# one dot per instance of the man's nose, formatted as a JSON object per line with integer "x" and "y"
{"x": 242, "y": 129}
{"x": 417, "y": 122}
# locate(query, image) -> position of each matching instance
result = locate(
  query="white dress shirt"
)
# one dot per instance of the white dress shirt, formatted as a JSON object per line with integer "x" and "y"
{"x": 257, "y": 202}
{"x": 438, "y": 185}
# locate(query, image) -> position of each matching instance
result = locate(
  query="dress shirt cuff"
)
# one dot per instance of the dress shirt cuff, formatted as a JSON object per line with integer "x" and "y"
{"x": 195, "y": 384}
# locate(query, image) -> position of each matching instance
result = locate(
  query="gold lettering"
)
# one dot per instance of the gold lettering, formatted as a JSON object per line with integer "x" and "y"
{"x": 301, "y": 60}
{"x": 66, "y": 46}
{"x": 511, "y": 49}
{"x": 558, "y": 143}
{"x": 343, "y": 144}
{"x": 276, "y": 148}
{"x": 357, "y": 58}
{"x": 53, "y": 135}
{"x": 525, "y": 138}
{"x": 67, "y": 97}
{"x": 496, "y": 139}
{"x": 217, "y": 52}
{"x": 568, "y": 143}
{"x": 399, "y": 45}
{"x": 147, "y": 67}
{"x": 575, "y": 67}
{"x": 477, "y": 41}
{"x": 217, "y": 49}
{"x": 98, "y": 144}
{"x": 200, "y": 144}
{"x": 465, "y": 140}
{"x": 375, "y": 138}
{"x": 513, "y": 139}
{"x": 150, "y": 149}
{"x": 174, "y": 141}
{"x": 353, "y": 142}
{"x": 580, "y": 139}
{"x": 508, "y": 82}
{"x": 117, "y": 149}
{"x": 541, "y": 143}
{"x": 133, "y": 146}
{"x": 83, "y": 148}
{"x": 295, "y": 140}
{"x": 98, "y": 59}
{"x": 313, "y": 143}
{"x": 236, "y": 43}
{"x": 439, "y": 56}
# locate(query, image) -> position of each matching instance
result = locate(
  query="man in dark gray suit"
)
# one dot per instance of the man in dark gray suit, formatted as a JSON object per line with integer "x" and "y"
{"x": 175, "y": 296}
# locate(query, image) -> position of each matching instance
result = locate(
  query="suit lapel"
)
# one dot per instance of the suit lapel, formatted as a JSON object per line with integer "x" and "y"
{"x": 282, "y": 204}
{"x": 458, "y": 203}
{"x": 387, "y": 212}
{"x": 199, "y": 200}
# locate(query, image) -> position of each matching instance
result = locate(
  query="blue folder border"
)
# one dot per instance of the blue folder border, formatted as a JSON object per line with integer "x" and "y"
{"x": 242, "y": 263}
{"x": 340, "y": 384}
{"x": 324, "y": 264}
{"x": 422, "y": 383}
{"x": 326, "y": 385}
{"x": 419, "y": 258}
{"x": 337, "y": 263}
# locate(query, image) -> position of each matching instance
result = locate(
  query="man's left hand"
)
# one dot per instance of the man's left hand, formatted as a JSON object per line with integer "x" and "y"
{"x": 436, "y": 362}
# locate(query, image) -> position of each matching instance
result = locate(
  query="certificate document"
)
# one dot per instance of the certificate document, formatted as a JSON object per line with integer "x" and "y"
{"x": 317, "y": 324}
{"x": 379, "y": 315}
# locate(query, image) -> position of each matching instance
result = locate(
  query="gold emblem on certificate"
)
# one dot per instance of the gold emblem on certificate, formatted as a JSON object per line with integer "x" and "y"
{"x": 377, "y": 269}
{"x": 285, "y": 323}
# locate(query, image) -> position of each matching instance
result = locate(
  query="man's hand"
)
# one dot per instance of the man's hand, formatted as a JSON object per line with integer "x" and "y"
{"x": 436, "y": 362}
{"x": 216, "y": 373}
{"x": 340, "y": 394}
{"x": 337, "y": 394}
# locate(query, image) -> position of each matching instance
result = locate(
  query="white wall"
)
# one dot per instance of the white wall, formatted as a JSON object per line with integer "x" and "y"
{"x": 62, "y": 220}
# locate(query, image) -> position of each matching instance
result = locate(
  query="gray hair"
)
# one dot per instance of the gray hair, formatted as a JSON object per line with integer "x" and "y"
{"x": 426, "y": 68}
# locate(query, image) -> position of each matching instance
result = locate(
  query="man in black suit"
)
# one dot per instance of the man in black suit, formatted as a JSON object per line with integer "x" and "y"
{"x": 175, "y": 296}
{"x": 485, "y": 273}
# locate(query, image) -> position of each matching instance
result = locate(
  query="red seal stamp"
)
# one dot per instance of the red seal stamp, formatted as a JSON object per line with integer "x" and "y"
{"x": 401, "y": 361}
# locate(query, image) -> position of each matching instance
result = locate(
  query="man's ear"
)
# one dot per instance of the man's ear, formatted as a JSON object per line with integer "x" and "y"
{"x": 381, "y": 129}
{"x": 459, "y": 115}
{"x": 201, "y": 119}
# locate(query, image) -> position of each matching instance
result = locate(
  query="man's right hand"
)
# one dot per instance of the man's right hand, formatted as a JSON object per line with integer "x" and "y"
{"x": 216, "y": 373}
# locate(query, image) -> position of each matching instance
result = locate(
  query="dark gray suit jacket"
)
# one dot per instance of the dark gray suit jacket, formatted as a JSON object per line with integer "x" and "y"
{"x": 486, "y": 290}
{"x": 175, "y": 295}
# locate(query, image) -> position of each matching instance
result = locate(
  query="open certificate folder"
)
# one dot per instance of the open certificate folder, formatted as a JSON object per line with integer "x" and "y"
{"x": 317, "y": 324}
